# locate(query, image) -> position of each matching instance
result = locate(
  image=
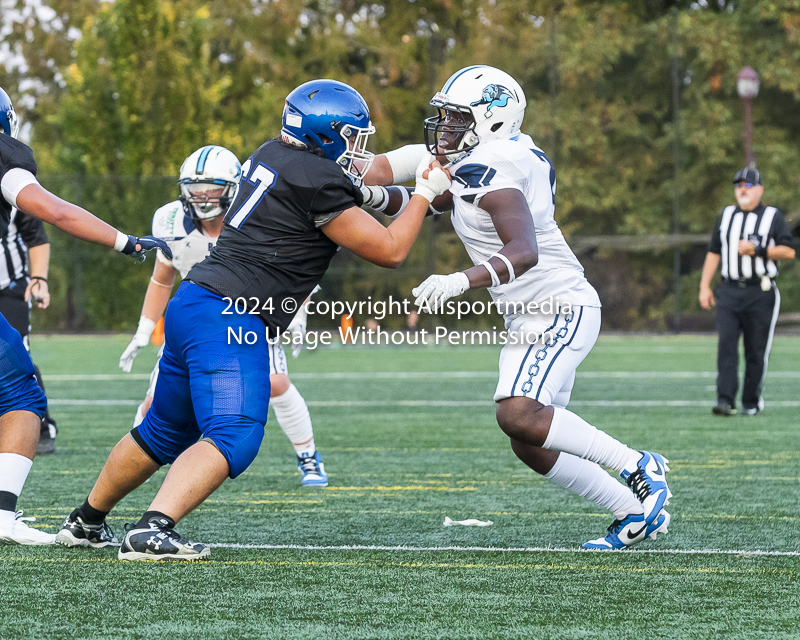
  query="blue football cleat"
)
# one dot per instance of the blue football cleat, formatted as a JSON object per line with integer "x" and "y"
{"x": 649, "y": 483}
{"x": 313, "y": 471}
{"x": 632, "y": 529}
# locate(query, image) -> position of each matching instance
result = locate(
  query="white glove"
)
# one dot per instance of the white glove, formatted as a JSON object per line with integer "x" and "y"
{"x": 436, "y": 290}
{"x": 435, "y": 184}
{"x": 297, "y": 329}
{"x": 140, "y": 340}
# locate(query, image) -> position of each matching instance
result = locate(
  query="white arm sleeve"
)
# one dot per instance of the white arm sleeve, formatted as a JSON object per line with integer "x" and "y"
{"x": 14, "y": 181}
{"x": 404, "y": 161}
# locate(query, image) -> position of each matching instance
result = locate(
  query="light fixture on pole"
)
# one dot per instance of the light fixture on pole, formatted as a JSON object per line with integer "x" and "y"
{"x": 747, "y": 88}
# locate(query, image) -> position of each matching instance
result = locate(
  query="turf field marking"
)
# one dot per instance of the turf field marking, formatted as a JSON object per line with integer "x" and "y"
{"x": 417, "y": 375}
{"x": 298, "y": 547}
{"x": 76, "y": 402}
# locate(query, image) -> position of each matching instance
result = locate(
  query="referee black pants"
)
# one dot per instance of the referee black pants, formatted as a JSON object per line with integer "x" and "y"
{"x": 752, "y": 313}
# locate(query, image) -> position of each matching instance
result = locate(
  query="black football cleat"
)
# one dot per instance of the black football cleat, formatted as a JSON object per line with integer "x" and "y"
{"x": 77, "y": 533}
{"x": 159, "y": 541}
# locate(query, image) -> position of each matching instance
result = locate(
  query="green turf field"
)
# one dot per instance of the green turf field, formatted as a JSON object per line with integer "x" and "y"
{"x": 405, "y": 445}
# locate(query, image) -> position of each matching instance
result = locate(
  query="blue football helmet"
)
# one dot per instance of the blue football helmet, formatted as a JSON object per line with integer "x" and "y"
{"x": 333, "y": 117}
{"x": 9, "y": 124}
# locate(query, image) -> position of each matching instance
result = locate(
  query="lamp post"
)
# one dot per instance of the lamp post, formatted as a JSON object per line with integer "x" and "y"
{"x": 747, "y": 88}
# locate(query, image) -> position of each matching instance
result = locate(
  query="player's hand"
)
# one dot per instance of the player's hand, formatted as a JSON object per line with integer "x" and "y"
{"x": 437, "y": 290}
{"x": 432, "y": 179}
{"x": 140, "y": 340}
{"x": 707, "y": 298}
{"x": 746, "y": 248}
{"x": 38, "y": 290}
{"x": 137, "y": 247}
{"x": 297, "y": 329}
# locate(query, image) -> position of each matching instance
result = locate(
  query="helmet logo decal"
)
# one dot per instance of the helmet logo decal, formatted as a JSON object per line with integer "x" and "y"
{"x": 494, "y": 95}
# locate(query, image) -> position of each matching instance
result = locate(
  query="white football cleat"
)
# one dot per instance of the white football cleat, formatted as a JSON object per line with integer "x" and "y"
{"x": 17, "y": 532}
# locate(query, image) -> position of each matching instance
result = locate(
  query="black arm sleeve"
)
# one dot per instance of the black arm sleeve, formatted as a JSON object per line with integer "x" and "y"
{"x": 715, "y": 246}
{"x": 31, "y": 230}
{"x": 781, "y": 232}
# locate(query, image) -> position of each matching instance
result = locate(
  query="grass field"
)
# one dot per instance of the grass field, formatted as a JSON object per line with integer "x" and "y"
{"x": 406, "y": 443}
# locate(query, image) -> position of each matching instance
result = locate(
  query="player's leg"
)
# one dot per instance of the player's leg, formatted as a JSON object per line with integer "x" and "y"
{"x": 758, "y": 324}
{"x": 143, "y": 408}
{"x": 14, "y": 309}
{"x": 167, "y": 430}
{"x": 22, "y": 405}
{"x": 230, "y": 405}
{"x": 542, "y": 372}
{"x": 294, "y": 420}
{"x": 729, "y": 329}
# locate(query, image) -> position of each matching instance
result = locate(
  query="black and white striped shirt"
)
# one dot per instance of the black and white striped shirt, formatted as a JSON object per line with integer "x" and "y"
{"x": 763, "y": 226}
{"x": 23, "y": 232}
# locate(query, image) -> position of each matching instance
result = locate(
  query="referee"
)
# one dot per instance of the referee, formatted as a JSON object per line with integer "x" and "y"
{"x": 24, "y": 262}
{"x": 747, "y": 240}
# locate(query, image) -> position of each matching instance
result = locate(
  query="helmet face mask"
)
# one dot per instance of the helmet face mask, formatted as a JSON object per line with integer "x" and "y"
{"x": 207, "y": 200}
{"x": 333, "y": 118}
{"x": 450, "y": 133}
{"x": 208, "y": 181}
{"x": 491, "y": 104}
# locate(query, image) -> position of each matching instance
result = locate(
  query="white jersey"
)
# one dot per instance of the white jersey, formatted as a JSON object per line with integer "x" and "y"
{"x": 518, "y": 164}
{"x": 189, "y": 245}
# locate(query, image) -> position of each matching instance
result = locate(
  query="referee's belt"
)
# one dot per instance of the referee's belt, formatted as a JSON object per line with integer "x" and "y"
{"x": 750, "y": 282}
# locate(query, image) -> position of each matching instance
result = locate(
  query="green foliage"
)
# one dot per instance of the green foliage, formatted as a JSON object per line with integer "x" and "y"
{"x": 151, "y": 80}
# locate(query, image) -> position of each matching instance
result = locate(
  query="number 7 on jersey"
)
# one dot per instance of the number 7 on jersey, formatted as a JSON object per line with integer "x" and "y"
{"x": 262, "y": 178}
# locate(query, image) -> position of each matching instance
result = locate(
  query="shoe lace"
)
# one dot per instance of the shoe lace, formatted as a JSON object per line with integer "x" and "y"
{"x": 638, "y": 483}
{"x": 615, "y": 526}
{"x": 309, "y": 464}
{"x": 18, "y": 516}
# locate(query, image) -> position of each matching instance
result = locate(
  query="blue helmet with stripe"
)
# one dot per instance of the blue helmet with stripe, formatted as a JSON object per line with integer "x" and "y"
{"x": 9, "y": 123}
{"x": 333, "y": 117}
{"x": 208, "y": 181}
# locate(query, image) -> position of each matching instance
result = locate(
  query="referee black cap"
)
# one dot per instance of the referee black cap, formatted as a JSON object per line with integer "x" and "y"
{"x": 747, "y": 175}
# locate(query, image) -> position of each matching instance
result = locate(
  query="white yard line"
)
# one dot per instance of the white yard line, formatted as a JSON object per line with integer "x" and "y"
{"x": 76, "y": 402}
{"x": 422, "y": 375}
{"x": 404, "y": 548}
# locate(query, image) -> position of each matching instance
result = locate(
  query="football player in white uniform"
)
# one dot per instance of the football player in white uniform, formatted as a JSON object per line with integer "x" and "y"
{"x": 191, "y": 225}
{"x": 503, "y": 202}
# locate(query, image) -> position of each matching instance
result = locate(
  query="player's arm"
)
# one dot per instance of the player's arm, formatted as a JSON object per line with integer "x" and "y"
{"x": 392, "y": 201}
{"x": 709, "y": 269}
{"x": 35, "y": 238}
{"x": 36, "y": 201}
{"x": 159, "y": 291}
{"x": 39, "y": 257}
{"x": 388, "y": 247}
{"x": 513, "y": 222}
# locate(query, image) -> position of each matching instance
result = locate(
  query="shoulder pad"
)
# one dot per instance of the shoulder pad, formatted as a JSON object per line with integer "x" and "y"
{"x": 168, "y": 221}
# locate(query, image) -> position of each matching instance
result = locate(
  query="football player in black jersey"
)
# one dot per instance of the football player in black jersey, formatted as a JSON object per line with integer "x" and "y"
{"x": 22, "y": 402}
{"x": 298, "y": 201}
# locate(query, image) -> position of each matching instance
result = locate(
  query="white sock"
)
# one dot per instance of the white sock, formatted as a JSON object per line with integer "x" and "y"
{"x": 572, "y": 434}
{"x": 14, "y": 470}
{"x": 295, "y": 421}
{"x": 139, "y": 416}
{"x": 589, "y": 480}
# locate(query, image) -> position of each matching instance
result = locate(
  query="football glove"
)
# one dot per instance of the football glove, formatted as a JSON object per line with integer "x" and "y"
{"x": 436, "y": 290}
{"x": 437, "y": 182}
{"x": 140, "y": 340}
{"x": 147, "y": 243}
{"x": 297, "y": 329}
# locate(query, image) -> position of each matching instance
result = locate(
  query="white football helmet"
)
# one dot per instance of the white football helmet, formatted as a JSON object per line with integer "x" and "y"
{"x": 208, "y": 180}
{"x": 476, "y": 105}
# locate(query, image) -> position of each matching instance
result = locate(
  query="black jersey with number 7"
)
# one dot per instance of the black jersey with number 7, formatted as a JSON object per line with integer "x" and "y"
{"x": 271, "y": 248}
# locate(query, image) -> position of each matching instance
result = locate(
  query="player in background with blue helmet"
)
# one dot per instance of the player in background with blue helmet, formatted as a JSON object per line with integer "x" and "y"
{"x": 22, "y": 402}
{"x": 298, "y": 201}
